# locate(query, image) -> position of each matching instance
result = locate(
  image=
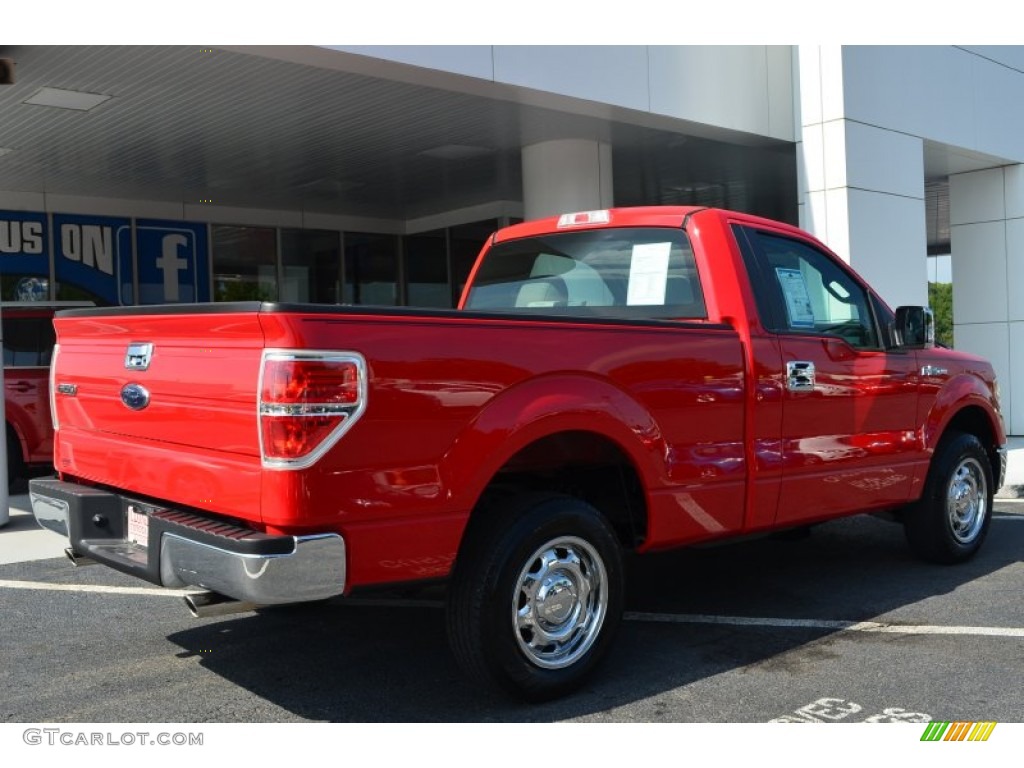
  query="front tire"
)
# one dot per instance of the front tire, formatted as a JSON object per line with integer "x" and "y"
{"x": 950, "y": 522}
{"x": 536, "y": 595}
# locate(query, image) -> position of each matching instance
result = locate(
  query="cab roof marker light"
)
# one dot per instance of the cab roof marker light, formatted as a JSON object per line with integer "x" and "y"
{"x": 583, "y": 218}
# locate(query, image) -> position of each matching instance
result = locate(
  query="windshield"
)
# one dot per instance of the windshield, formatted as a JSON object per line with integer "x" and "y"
{"x": 628, "y": 272}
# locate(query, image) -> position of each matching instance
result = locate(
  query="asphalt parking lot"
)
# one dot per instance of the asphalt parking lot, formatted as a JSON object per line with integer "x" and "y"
{"x": 842, "y": 626}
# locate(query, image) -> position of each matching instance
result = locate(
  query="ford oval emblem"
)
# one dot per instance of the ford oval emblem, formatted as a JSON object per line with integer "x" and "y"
{"x": 134, "y": 396}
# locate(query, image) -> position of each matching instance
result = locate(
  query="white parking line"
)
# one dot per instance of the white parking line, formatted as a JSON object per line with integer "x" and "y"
{"x": 842, "y": 626}
{"x": 667, "y": 618}
{"x": 5, "y": 584}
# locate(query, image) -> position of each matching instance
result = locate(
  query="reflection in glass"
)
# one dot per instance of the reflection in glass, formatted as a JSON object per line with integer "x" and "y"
{"x": 244, "y": 263}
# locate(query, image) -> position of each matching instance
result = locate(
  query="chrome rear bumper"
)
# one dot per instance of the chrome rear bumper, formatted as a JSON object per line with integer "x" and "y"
{"x": 187, "y": 550}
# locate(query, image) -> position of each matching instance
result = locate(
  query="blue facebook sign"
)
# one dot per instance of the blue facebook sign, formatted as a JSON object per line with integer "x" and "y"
{"x": 173, "y": 264}
{"x": 94, "y": 253}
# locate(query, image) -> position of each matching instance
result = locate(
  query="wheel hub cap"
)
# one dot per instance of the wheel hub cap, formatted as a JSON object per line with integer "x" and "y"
{"x": 967, "y": 501}
{"x": 560, "y": 602}
{"x": 557, "y": 599}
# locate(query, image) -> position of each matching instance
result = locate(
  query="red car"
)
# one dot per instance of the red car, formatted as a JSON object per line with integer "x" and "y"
{"x": 28, "y": 339}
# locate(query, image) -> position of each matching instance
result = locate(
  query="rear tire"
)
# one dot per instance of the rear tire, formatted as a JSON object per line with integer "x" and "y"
{"x": 536, "y": 595}
{"x": 950, "y": 522}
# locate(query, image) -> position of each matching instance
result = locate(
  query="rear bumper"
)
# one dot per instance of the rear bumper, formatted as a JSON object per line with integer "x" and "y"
{"x": 184, "y": 549}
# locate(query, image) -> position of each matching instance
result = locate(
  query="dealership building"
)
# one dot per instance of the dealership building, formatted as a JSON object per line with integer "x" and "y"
{"x": 372, "y": 175}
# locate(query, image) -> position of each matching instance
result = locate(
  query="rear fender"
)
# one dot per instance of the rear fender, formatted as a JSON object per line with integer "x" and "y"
{"x": 545, "y": 406}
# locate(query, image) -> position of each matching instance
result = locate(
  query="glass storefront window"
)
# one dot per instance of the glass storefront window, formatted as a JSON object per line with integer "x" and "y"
{"x": 310, "y": 266}
{"x": 426, "y": 270}
{"x": 244, "y": 263}
{"x": 371, "y": 269}
{"x": 15, "y": 287}
{"x": 466, "y": 242}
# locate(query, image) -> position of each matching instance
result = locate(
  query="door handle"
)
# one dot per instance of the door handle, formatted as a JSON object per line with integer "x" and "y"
{"x": 800, "y": 376}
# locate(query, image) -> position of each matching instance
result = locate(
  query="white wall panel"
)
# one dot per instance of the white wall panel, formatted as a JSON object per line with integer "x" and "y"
{"x": 926, "y": 91}
{"x": 836, "y": 234}
{"x": 737, "y": 87}
{"x": 105, "y": 206}
{"x": 1013, "y": 184}
{"x": 889, "y": 244}
{"x": 1014, "y": 398}
{"x": 781, "y": 114}
{"x": 939, "y": 93}
{"x": 811, "y": 153}
{"x": 471, "y": 60}
{"x": 815, "y": 219}
{"x": 1007, "y": 55}
{"x": 998, "y": 107}
{"x": 883, "y": 161}
{"x": 808, "y": 94}
{"x": 1015, "y": 271}
{"x": 976, "y": 196}
{"x": 612, "y": 76}
{"x": 979, "y": 272}
{"x": 992, "y": 341}
{"x": 22, "y": 201}
{"x": 833, "y": 96}
{"x": 245, "y": 217}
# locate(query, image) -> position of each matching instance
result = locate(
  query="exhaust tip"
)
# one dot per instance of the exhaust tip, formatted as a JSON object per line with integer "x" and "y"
{"x": 205, "y": 604}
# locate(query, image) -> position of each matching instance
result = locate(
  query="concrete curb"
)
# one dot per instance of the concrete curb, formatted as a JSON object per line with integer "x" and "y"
{"x": 1010, "y": 492}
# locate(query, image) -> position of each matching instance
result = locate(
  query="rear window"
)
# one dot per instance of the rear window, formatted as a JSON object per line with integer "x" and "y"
{"x": 628, "y": 272}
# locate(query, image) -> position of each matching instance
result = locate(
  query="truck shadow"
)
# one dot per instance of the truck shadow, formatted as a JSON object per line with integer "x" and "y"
{"x": 387, "y": 660}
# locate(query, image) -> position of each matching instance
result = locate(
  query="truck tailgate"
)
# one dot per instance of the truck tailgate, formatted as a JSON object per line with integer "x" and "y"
{"x": 165, "y": 402}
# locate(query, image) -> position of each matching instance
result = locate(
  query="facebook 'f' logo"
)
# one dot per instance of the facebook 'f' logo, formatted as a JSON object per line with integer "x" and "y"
{"x": 170, "y": 263}
{"x": 173, "y": 265}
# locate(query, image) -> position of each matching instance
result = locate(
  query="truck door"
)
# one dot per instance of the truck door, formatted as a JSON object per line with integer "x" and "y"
{"x": 849, "y": 404}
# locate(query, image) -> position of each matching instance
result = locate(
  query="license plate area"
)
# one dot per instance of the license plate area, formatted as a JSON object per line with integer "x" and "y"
{"x": 137, "y": 526}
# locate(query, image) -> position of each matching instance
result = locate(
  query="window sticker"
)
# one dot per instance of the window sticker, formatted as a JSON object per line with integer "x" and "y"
{"x": 798, "y": 302}
{"x": 648, "y": 274}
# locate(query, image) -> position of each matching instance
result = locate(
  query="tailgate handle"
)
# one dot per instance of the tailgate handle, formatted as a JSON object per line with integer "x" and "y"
{"x": 138, "y": 356}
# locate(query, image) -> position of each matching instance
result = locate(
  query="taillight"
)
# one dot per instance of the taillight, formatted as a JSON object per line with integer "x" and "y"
{"x": 307, "y": 401}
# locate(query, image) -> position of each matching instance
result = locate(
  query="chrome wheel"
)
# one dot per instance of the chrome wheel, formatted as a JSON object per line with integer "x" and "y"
{"x": 536, "y": 594}
{"x": 967, "y": 500}
{"x": 951, "y": 519}
{"x": 560, "y": 601}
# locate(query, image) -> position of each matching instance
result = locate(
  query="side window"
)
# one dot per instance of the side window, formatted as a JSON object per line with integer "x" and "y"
{"x": 810, "y": 293}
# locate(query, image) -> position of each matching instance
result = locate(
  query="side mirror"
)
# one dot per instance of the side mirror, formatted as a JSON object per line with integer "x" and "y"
{"x": 915, "y": 327}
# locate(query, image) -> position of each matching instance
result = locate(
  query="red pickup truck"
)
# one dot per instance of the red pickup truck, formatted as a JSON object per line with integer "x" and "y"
{"x": 612, "y": 382}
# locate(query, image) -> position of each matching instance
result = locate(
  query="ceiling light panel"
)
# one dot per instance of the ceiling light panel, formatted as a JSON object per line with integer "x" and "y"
{"x": 64, "y": 99}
